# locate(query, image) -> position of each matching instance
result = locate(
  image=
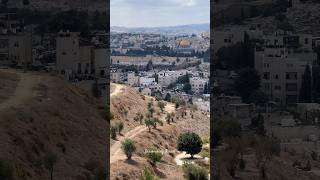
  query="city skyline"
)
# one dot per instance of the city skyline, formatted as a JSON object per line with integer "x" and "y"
{"x": 163, "y": 13}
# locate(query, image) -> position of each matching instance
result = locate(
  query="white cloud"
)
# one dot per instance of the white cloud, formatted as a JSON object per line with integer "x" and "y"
{"x": 159, "y": 12}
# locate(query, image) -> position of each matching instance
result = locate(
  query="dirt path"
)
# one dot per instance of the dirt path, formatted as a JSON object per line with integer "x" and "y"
{"x": 117, "y": 90}
{"x": 116, "y": 153}
{"x": 182, "y": 157}
{"x": 23, "y": 90}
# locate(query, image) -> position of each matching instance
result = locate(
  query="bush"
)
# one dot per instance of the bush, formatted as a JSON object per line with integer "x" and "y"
{"x": 113, "y": 132}
{"x": 120, "y": 126}
{"x": 194, "y": 172}
{"x": 189, "y": 142}
{"x": 148, "y": 175}
{"x": 149, "y": 122}
{"x": 153, "y": 155}
{"x": 6, "y": 172}
{"x": 161, "y": 105}
{"x": 49, "y": 160}
{"x": 128, "y": 148}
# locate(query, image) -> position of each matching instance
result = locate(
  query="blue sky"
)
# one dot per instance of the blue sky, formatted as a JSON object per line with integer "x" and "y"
{"x": 154, "y": 13}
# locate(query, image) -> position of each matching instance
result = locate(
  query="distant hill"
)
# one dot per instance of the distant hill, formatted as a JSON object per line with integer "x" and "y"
{"x": 180, "y": 29}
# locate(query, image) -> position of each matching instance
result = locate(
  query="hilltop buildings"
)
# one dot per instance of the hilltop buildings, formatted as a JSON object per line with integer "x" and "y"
{"x": 15, "y": 44}
{"x": 281, "y": 63}
{"x": 79, "y": 57}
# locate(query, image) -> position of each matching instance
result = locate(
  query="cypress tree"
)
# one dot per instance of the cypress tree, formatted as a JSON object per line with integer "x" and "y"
{"x": 305, "y": 90}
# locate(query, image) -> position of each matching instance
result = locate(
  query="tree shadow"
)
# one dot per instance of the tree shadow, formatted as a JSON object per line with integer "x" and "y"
{"x": 131, "y": 162}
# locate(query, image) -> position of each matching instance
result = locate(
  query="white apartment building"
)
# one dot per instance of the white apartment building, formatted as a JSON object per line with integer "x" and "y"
{"x": 73, "y": 56}
{"x": 67, "y": 52}
{"x": 15, "y": 49}
{"x": 115, "y": 76}
{"x": 166, "y": 78}
{"x": 281, "y": 73}
{"x": 198, "y": 84}
{"x": 132, "y": 79}
{"x": 146, "y": 81}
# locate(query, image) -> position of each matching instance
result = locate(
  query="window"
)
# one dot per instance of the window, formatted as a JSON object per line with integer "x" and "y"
{"x": 266, "y": 75}
{"x": 306, "y": 41}
{"x": 291, "y": 75}
{"x": 64, "y": 53}
{"x": 291, "y": 87}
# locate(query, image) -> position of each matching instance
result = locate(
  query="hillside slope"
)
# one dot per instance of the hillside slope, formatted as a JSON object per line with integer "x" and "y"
{"x": 52, "y": 117}
{"x": 164, "y": 138}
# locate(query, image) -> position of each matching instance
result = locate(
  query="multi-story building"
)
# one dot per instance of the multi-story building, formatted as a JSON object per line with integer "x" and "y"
{"x": 80, "y": 57}
{"x": 15, "y": 48}
{"x": 166, "y": 78}
{"x": 198, "y": 85}
{"x": 281, "y": 65}
{"x": 67, "y": 52}
{"x": 132, "y": 79}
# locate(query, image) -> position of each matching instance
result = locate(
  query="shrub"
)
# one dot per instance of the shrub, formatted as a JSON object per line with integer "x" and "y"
{"x": 113, "y": 132}
{"x": 161, "y": 105}
{"x": 149, "y": 122}
{"x": 148, "y": 175}
{"x": 6, "y": 172}
{"x": 194, "y": 172}
{"x": 49, "y": 160}
{"x": 153, "y": 155}
{"x": 189, "y": 142}
{"x": 120, "y": 126}
{"x": 128, "y": 148}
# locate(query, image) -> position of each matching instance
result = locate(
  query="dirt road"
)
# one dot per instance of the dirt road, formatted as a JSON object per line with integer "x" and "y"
{"x": 117, "y": 90}
{"x": 116, "y": 153}
{"x": 23, "y": 91}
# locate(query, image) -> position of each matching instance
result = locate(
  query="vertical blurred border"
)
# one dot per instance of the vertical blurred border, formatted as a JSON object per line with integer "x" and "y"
{"x": 107, "y": 103}
{"x": 212, "y": 155}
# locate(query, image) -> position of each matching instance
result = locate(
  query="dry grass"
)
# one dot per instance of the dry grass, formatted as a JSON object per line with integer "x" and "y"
{"x": 61, "y": 119}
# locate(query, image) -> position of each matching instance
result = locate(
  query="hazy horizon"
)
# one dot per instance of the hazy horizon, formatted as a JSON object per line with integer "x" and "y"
{"x": 158, "y": 13}
{"x": 163, "y": 26}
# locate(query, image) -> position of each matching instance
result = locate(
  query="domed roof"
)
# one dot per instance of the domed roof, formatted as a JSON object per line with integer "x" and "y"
{"x": 184, "y": 43}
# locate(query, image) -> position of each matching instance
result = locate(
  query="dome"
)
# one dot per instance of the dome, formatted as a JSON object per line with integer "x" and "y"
{"x": 184, "y": 43}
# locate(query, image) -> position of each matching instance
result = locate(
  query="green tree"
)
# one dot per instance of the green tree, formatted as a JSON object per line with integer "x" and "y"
{"x": 247, "y": 83}
{"x": 168, "y": 118}
{"x": 50, "y": 160}
{"x": 257, "y": 124}
{"x": 153, "y": 155}
{"x": 128, "y": 147}
{"x": 139, "y": 117}
{"x": 305, "y": 90}
{"x": 113, "y": 131}
{"x": 189, "y": 142}
{"x": 168, "y": 97}
{"x": 161, "y": 105}
{"x": 120, "y": 126}
{"x": 149, "y": 123}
